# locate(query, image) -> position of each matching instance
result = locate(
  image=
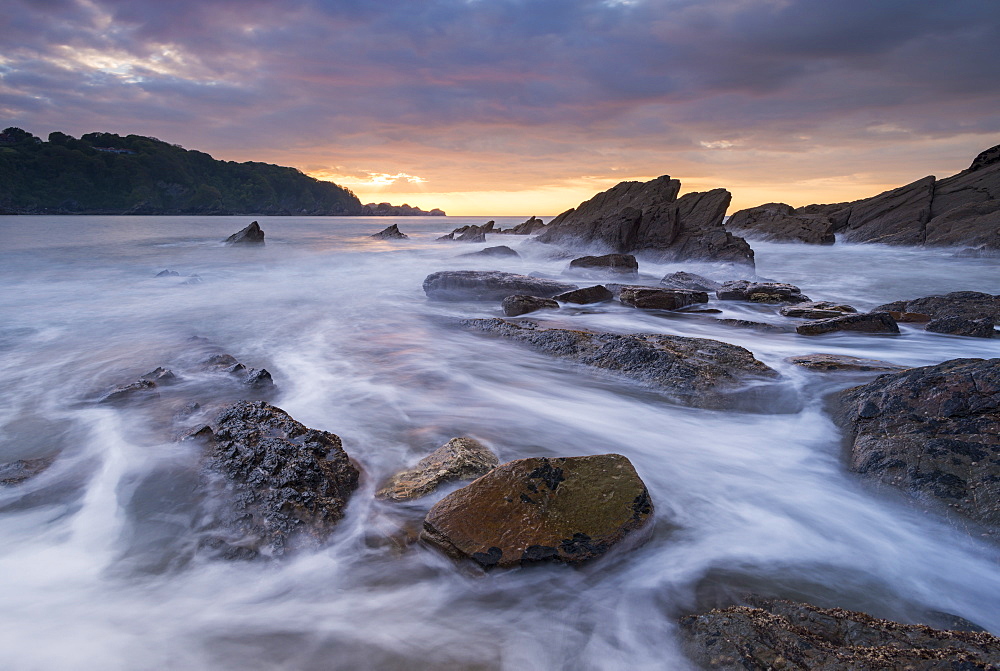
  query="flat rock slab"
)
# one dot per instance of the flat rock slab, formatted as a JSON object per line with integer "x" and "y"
{"x": 488, "y": 285}
{"x": 755, "y": 326}
{"x": 760, "y": 292}
{"x": 567, "y": 509}
{"x": 870, "y": 322}
{"x": 777, "y": 634}
{"x": 458, "y": 459}
{"x": 658, "y": 298}
{"x": 831, "y": 362}
{"x": 494, "y": 252}
{"x": 521, "y": 305}
{"x": 816, "y": 310}
{"x": 586, "y": 295}
{"x": 693, "y": 371}
{"x": 933, "y": 431}
{"x": 277, "y": 481}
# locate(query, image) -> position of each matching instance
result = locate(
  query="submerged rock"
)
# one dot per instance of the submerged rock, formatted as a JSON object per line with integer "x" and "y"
{"x": 816, "y": 310}
{"x": 662, "y": 299}
{"x": 252, "y": 377}
{"x": 458, "y": 459}
{"x": 586, "y": 295}
{"x": 168, "y": 273}
{"x": 251, "y": 235}
{"x": 760, "y": 292}
{"x": 499, "y": 251}
{"x": 277, "y": 482}
{"x": 932, "y": 431}
{"x": 694, "y": 371}
{"x": 521, "y": 305}
{"x": 612, "y": 263}
{"x": 755, "y": 326}
{"x": 485, "y": 285}
{"x": 135, "y": 392}
{"x": 689, "y": 281}
{"x": 16, "y": 472}
{"x": 829, "y": 362}
{"x": 871, "y": 322}
{"x": 567, "y": 509}
{"x": 389, "y": 233}
{"x": 778, "y": 634}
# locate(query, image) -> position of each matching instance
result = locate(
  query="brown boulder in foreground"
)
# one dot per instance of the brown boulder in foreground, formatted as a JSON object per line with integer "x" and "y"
{"x": 458, "y": 459}
{"x": 566, "y": 509}
{"x": 778, "y": 634}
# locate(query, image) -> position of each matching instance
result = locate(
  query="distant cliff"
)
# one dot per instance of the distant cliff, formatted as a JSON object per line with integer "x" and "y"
{"x": 404, "y": 210}
{"x": 104, "y": 173}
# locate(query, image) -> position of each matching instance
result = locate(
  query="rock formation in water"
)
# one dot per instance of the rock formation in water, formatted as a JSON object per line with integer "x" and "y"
{"x": 520, "y": 304}
{"x": 658, "y": 298}
{"x": 389, "y": 233}
{"x": 690, "y": 281}
{"x": 486, "y": 285}
{"x": 529, "y": 227}
{"x": 251, "y": 235}
{"x": 868, "y": 322}
{"x": 567, "y": 509}
{"x": 961, "y": 210}
{"x": 816, "y": 310}
{"x": 586, "y": 295}
{"x": 692, "y": 371}
{"x": 777, "y": 634}
{"x": 274, "y": 483}
{"x": 404, "y": 210}
{"x": 966, "y": 313}
{"x": 458, "y": 459}
{"x": 932, "y": 431}
{"x": 625, "y": 264}
{"x": 649, "y": 217}
{"x": 495, "y": 252}
{"x": 760, "y": 292}
{"x": 838, "y": 362}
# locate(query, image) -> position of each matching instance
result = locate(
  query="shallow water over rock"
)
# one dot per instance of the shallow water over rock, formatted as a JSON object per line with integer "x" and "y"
{"x": 98, "y": 569}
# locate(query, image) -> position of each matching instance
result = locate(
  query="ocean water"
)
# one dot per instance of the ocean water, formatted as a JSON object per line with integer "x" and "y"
{"x": 96, "y": 562}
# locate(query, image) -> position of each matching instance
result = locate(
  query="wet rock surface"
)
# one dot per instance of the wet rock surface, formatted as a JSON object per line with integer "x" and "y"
{"x": 276, "y": 484}
{"x": 484, "y": 285}
{"x": 662, "y": 299}
{"x": 830, "y": 362}
{"x": 16, "y": 472}
{"x": 933, "y": 431}
{"x": 871, "y": 322}
{"x": 781, "y": 222}
{"x": 586, "y": 295}
{"x": 612, "y": 263}
{"x": 778, "y": 634}
{"x": 529, "y": 227}
{"x": 567, "y": 509}
{"x": 390, "y": 233}
{"x": 755, "y": 326}
{"x": 689, "y": 281}
{"x": 973, "y": 328}
{"x": 692, "y": 371}
{"x": 970, "y": 305}
{"x": 513, "y": 306}
{"x": 649, "y": 217}
{"x": 495, "y": 252}
{"x": 816, "y": 310}
{"x": 251, "y": 235}
{"x": 760, "y": 292}
{"x": 458, "y": 459}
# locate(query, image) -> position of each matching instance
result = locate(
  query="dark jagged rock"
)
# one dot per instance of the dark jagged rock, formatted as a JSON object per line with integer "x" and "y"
{"x": 521, "y": 305}
{"x": 568, "y": 509}
{"x": 777, "y": 634}
{"x": 251, "y": 235}
{"x": 973, "y": 328}
{"x": 278, "y": 483}
{"x": 964, "y": 304}
{"x": 932, "y": 431}
{"x": 404, "y": 210}
{"x": 595, "y": 294}
{"x": 780, "y": 222}
{"x": 529, "y": 227}
{"x": 499, "y": 251}
{"x": 831, "y": 362}
{"x": 16, "y": 472}
{"x": 389, "y": 233}
{"x": 896, "y": 217}
{"x": 648, "y": 217}
{"x": 816, "y": 310}
{"x": 871, "y": 322}
{"x": 689, "y": 281}
{"x": 168, "y": 273}
{"x": 458, "y": 459}
{"x": 760, "y": 292}
{"x": 129, "y": 394}
{"x": 662, "y": 299}
{"x": 252, "y": 377}
{"x": 486, "y": 285}
{"x": 694, "y": 371}
{"x": 613, "y": 263}
{"x": 470, "y": 233}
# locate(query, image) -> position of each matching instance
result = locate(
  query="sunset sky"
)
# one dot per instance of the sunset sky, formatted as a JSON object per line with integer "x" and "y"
{"x": 522, "y": 107}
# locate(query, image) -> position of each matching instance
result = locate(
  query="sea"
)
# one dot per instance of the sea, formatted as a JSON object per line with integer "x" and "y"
{"x": 97, "y": 563}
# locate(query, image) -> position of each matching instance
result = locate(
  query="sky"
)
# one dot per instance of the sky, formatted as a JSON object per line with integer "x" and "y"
{"x": 525, "y": 107}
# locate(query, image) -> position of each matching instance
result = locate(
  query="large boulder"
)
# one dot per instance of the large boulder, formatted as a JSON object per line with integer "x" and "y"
{"x": 586, "y": 295}
{"x": 458, "y": 459}
{"x": 520, "y": 304}
{"x": 273, "y": 482}
{"x": 964, "y": 304}
{"x": 529, "y": 227}
{"x": 566, "y": 509}
{"x": 780, "y": 222}
{"x": 612, "y": 263}
{"x": 690, "y": 281}
{"x": 869, "y": 322}
{"x": 777, "y": 634}
{"x": 251, "y": 235}
{"x": 389, "y": 233}
{"x": 649, "y": 217}
{"x": 658, "y": 298}
{"x": 760, "y": 292}
{"x": 693, "y": 371}
{"x": 933, "y": 431}
{"x": 487, "y": 285}
{"x": 973, "y": 328}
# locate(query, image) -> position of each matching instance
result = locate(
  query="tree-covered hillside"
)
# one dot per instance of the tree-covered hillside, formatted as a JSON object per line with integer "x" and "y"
{"x": 104, "y": 173}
